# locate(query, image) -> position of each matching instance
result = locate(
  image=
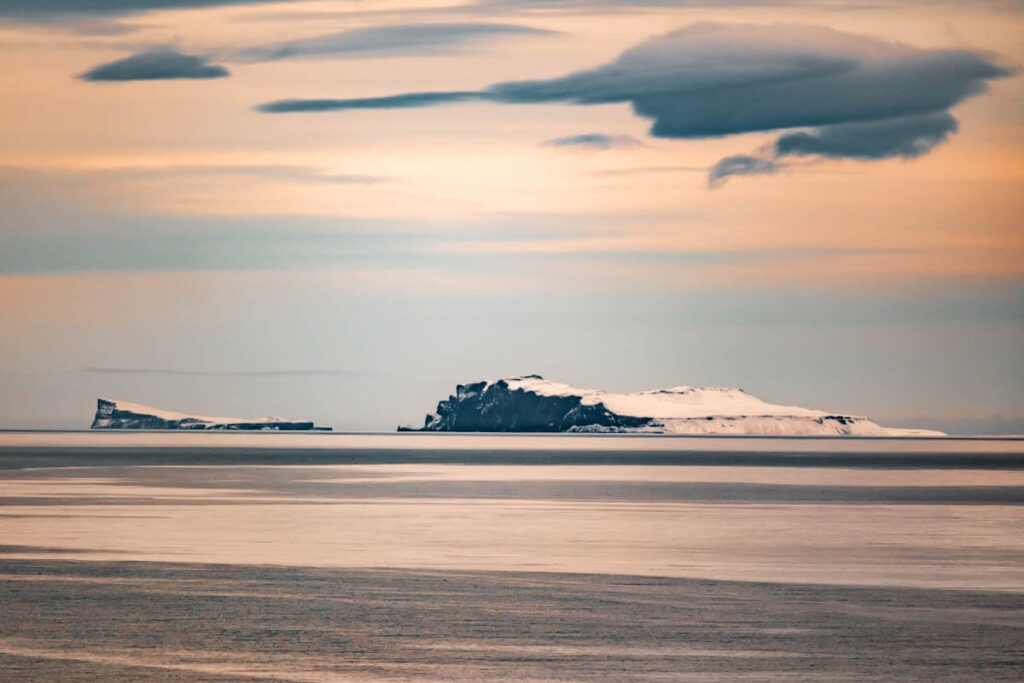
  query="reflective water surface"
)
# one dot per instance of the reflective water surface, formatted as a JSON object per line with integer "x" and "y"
{"x": 510, "y": 555}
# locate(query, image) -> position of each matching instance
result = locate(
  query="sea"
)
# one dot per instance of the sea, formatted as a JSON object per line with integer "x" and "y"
{"x": 225, "y": 556}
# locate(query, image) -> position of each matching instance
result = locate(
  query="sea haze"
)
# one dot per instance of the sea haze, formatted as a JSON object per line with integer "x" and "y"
{"x": 419, "y": 556}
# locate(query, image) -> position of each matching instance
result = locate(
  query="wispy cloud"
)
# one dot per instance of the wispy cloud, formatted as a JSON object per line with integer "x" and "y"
{"x": 49, "y": 9}
{"x": 285, "y": 172}
{"x": 228, "y": 373}
{"x": 740, "y": 164}
{"x": 275, "y": 171}
{"x": 380, "y": 41}
{"x": 404, "y": 101}
{"x": 389, "y": 41}
{"x": 591, "y": 6}
{"x": 594, "y": 141}
{"x": 155, "y": 64}
{"x": 643, "y": 170}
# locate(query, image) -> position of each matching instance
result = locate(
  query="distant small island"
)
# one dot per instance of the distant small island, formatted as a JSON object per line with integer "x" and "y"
{"x": 112, "y": 414}
{"x": 534, "y": 404}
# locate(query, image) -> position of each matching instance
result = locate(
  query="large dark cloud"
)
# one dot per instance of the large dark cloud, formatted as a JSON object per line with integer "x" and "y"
{"x": 386, "y": 41}
{"x": 859, "y": 97}
{"x": 162, "y": 63}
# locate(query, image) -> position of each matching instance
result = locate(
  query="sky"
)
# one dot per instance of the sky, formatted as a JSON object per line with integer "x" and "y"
{"x": 340, "y": 209}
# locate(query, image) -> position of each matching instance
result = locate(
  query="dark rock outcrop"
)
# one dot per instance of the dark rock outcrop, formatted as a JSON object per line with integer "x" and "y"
{"x": 496, "y": 407}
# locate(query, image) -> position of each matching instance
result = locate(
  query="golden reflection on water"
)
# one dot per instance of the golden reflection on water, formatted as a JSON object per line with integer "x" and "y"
{"x": 276, "y": 522}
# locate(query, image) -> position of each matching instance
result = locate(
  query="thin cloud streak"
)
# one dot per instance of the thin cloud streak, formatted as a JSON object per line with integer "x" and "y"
{"x": 279, "y": 172}
{"x": 43, "y": 10}
{"x": 594, "y": 141}
{"x": 411, "y": 100}
{"x": 227, "y": 373}
{"x": 163, "y": 62}
{"x": 304, "y": 174}
{"x": 389, "y": 41}
{"x": 642, "y": 170}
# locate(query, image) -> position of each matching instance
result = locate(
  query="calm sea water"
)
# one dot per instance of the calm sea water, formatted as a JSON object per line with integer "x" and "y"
{"x": 432, "y": 556}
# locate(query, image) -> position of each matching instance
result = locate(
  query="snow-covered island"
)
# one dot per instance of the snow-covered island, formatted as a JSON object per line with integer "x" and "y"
{"x": 534, "y": 404}
{"x": 124, "y": 415}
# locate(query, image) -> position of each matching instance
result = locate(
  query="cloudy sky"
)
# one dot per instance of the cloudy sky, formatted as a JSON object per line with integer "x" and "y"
{"x": 338, "y": 209}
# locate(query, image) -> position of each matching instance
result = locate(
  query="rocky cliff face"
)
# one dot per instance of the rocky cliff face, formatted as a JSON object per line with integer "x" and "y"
{"x": 124, "y": 415}
{"x": 533, "y": 404}
{"x": 499, "y": 407}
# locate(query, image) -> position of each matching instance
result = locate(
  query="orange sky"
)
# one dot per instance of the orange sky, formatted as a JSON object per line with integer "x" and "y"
{"x": 109, "y": 179}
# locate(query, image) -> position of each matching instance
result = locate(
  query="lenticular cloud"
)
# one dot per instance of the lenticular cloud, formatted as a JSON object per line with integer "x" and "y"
{"x": 836, "y": 94}
{"x": 156, "y": 64}
{"x": 853, "y": 97}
